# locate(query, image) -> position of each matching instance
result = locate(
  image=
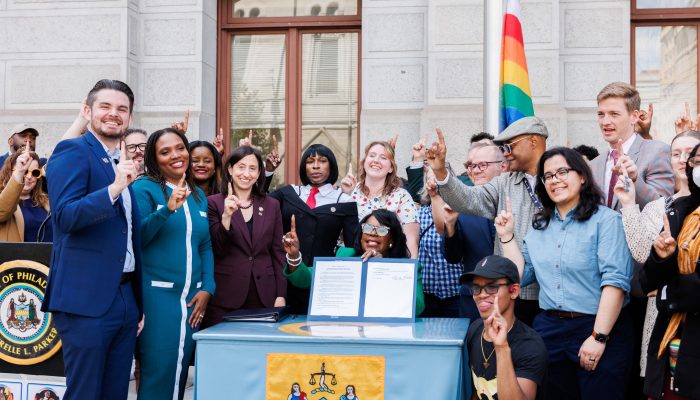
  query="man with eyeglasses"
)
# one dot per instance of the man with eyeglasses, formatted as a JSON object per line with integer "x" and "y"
{"x": 507, "y": 358}
{"x": 135, "y": 144}
{"x": 522, "y": 144}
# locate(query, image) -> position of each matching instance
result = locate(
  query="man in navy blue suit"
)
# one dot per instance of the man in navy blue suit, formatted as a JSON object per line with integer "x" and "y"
{"x": 94, "y": 287}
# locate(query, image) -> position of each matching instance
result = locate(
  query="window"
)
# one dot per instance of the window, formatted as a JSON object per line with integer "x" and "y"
{"x": 665, "y": 59}
{"x": 290, "y": 71}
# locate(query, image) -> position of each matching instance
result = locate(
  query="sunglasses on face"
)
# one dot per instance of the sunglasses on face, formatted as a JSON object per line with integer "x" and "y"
{"x": 35, "y": 172}
{"x": 380, "y": 230}
{"x": 507, "y": 148}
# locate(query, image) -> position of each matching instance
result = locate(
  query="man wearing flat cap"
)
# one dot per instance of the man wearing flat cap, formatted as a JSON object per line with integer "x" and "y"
{"x": 522, "y": 144}
{"x": 507, "y": 359}
{"x": 19, "y": 135}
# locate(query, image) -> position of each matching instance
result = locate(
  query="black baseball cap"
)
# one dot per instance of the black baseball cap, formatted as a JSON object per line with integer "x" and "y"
{"x": 493, "y": 267}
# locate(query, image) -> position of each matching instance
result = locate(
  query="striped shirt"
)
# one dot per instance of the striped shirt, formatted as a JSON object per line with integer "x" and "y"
{"x": 440, "y": 278}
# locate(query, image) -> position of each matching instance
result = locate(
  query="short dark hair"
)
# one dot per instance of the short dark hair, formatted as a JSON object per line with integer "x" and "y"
{"x": 590, "y": 194}
{"x": 323, "y": 151}
{"x": 589, "y": 151}
{"x": 237, "y": 155}
{"x": 150, "y": 162}
{"x": 131, "y": 131}
{"x": 214, "y": 183}
{"x": 112, "y": 84}
{"x": 399, "y": 248}
{"x": 480, "y": 136}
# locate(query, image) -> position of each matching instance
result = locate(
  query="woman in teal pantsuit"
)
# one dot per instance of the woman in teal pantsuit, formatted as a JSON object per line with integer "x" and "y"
{"x": 178, "y": 265}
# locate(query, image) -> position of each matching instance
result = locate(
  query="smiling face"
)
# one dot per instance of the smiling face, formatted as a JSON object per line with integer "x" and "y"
{"x": 172, "y": 157}
{"x": 485, "y": 154}
{"x": 203, "y": 166}
{"x": 680, "y": 151}
{"x": 615, "y": 121}
{"x": 134, "y": 142}
{"x": 372, "y": 241}
{"x": 29, "y": 180}
{"x": 377, "y": 163}
{"x": 109, "y": 115}
{"x": 244, "y": 173}
{"x": 318, "y": 169}
{"x": 565, "y": 193}
{"x": 484, "y": 301}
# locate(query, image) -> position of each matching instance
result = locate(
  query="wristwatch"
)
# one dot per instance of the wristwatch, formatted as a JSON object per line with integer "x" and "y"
{"x": 600, "y": 337}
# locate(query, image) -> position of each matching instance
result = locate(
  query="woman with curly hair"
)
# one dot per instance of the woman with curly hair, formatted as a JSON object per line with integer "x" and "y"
{"x": 24, "y": 205}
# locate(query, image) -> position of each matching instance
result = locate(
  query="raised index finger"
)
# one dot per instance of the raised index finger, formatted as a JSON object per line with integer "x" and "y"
{"x": 26, "y": 146}
{"x": 441, "y": 138}
{"x": 496, "y": 308}
{"x": 122, "y": 151}
{"x": 620, "y": 153}
{"x": 250, "y": 137}
{"x": 687, "y": 109}
{"x": 275, "y": 146}
{"x": 230, "y": 189}
{"x": 349, "y": 168}
{"x": 509, "y": 206}
{"x": 667, "y": 225}
{"x": 187, "y": 119}
{"x": 294, "y": 224}
{"x": 182, "y": 180}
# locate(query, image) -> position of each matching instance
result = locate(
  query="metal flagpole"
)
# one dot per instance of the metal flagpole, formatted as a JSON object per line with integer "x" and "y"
{"x": 493, "y": 31}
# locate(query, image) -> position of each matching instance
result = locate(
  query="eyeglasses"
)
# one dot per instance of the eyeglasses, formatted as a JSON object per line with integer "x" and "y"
{"x": 35, "y": 172}
{"x": 491, "y": 288}
{"x": 380, "y": 230}
{"x": 561, "y": 174}
{"x": 131, "y": 148}
{"x": 481, "y": 165}
{"x": 507, "y": 148}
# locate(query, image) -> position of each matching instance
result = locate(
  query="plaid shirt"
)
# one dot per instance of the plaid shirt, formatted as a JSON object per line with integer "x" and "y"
{"x": 440, "y": 278}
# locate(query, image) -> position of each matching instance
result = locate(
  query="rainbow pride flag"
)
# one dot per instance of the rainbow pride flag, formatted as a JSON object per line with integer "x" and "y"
{"x": 515, "y": 99}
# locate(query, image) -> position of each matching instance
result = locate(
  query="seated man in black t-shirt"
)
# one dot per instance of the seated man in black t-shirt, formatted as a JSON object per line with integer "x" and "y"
{"x": 499, "y": 344}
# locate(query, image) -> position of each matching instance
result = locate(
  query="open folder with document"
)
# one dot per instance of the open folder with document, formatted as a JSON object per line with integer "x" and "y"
{"x": 352, "y": 290}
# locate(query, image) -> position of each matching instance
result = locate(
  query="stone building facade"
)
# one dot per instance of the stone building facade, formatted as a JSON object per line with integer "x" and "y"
{"x": 421, "y": 64}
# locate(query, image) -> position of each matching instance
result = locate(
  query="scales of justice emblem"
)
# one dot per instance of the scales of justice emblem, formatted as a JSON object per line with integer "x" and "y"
{"x": 21, "y": 313}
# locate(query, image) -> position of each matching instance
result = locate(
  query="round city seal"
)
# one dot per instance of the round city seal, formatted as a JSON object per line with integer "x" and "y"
{"x": 27, "y": 335}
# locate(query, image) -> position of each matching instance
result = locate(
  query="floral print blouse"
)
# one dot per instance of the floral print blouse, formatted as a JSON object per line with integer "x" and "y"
{"x": 398, "y": 201}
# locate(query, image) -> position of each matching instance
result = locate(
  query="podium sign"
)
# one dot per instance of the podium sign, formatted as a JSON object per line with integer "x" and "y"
{"x": 29, "y": 342}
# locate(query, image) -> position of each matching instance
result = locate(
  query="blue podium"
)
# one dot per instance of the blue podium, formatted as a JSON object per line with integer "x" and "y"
{"x": 308, "y": 360}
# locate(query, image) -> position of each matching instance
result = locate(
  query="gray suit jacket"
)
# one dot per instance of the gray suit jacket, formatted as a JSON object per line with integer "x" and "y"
{"x": 654, "y": 174}
{"x": 489, "y": 199}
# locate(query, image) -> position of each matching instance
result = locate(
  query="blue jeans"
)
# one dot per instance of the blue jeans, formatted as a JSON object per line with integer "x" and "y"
{"x": 565, "y": 378}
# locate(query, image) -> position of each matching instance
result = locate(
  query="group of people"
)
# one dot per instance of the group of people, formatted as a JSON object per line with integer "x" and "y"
{"x": 577, "y": 271}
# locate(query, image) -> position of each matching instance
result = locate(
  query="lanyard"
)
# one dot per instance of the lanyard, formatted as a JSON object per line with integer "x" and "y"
{"x": 533, "y": 197}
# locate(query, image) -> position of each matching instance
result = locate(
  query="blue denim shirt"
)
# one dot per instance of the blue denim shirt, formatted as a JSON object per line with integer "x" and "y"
{"x": 573, "y": 260}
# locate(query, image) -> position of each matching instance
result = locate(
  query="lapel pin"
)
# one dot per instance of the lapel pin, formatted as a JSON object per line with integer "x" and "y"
{"x": 332, "y": 209}
{"x": 106, "y": 161}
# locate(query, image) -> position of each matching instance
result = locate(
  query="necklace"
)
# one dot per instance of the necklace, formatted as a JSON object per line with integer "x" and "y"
{"x": 250, "y": 204}
{"x": 483, "y": 354}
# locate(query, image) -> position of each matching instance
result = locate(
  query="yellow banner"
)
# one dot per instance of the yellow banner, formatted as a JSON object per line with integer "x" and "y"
{"x": 324, "y": 377}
